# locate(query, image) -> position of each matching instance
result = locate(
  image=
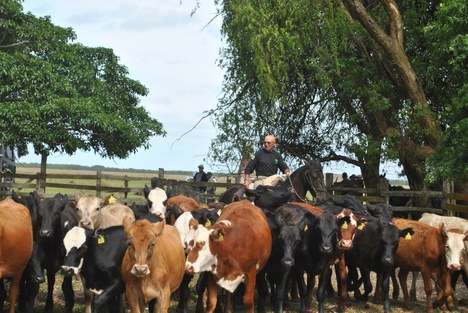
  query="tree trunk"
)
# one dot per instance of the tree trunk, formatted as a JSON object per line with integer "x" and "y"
{"x": 43, "y": 173}
{"x": 392, "y": 44}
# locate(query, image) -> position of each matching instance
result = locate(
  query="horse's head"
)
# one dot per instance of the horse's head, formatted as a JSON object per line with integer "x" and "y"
{"x": 313, "y": 176}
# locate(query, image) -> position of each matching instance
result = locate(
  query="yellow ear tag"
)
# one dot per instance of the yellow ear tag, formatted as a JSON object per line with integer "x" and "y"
{"x": 112, "y": 199}
{"x": 344, "y": 226}
{"x": 306, "y": 228}
{"x": 360, "y": 227}
{"x": 220, "y": 237}
{"x": 100, "y": 239}
{"x": 207, "y": 223}
{"x": 408, "y": 236}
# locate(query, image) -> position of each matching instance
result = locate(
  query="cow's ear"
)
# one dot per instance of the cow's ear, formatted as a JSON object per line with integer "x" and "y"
{"x": 251, "y": 192}
{"x": 158, "y": 227}
{"x": 362, "y": 222}
{"x": 146, "y": 192}
{"x": 466, "y": 236}
{"x": 407, "y": 233}
{"x": 343, "y": 222}
{"x": 193, "y": 224}
{"x": 217, "y": 235}
{"x": 127, "y": 221}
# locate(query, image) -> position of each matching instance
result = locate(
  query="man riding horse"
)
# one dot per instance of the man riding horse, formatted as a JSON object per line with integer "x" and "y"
{"x": 266, "y": 163}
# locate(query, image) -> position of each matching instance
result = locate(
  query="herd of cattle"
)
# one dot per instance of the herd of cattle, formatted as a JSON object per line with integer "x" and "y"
{"x": 137, "y": 257}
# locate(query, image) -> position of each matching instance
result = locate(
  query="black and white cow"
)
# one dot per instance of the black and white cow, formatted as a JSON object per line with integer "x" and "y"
{"x": 97, "y": 256}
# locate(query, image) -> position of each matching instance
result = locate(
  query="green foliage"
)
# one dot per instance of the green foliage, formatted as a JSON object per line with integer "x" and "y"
{"x": 320, "y": 82}
{"x": 61, "y": 96}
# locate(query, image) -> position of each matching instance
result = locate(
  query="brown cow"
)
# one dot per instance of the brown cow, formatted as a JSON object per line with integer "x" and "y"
{"x": 185, "y": 203}
{"x": 425, "y": 252}
{"x": 233, "y": 249}
{"x": 153, "y": 265}
{"x": 15, "y": 246}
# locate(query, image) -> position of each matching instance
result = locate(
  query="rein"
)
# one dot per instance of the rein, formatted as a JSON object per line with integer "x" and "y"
{"x": 295, "y": 192}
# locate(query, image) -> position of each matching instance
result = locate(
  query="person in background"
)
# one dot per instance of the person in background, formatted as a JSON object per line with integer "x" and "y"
{"x": 200, "y": 176}
{"x": 211, "y": 189}
{"x": 265, "y": 163}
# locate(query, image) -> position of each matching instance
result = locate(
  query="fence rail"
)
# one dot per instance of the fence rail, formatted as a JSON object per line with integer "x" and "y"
{"x": 125, "y": 185}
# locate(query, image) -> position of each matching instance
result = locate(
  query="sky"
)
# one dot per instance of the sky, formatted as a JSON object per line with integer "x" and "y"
{"x": 169, "y": 51}
{"x": 174, "y": 54}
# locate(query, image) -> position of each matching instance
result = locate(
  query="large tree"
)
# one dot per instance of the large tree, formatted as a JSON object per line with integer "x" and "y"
{"x": 328, "y": 77}
{"x": 61, "y": 96}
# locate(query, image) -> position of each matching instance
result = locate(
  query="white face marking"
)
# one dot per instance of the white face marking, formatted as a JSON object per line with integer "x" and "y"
{"x": 74, "y": 238}
{"x": 182, "y": 226}
{"x": 454, "y": 249}
{"x": 351, "y": 216}
{"x": 206, "y": 261}
{"x": 157, "y": 196}
{"x": 231, "y": 285}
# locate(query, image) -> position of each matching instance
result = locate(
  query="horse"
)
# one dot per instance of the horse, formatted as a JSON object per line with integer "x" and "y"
{"x": 308, "y": 177}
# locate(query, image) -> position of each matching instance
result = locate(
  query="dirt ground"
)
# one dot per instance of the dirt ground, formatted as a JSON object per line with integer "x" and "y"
{"x": 331, "y": 305}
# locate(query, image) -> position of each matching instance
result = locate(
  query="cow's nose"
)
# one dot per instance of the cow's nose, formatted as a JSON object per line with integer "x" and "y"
{"x": 327, "y": 249}
{"x": 347, "y": 244}
{"x": 40, "y": 279}
{"x": 67, "y": 271}
{"x": 189, "y": 269}
{"x": 140, "y": 270}
{"x": 45, "y": 233}
{"x": 455, "y": 267}
{"x": 287, "y": 262}
{"x": 387, "y": 260}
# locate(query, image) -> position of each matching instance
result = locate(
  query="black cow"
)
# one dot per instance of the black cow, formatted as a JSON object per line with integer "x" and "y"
{"x": 232, "y": 194}
{"x": 286, "y": 225}
{"x": 318, "y": 252}
{"x": 53, "y": 218}
{"x": 270, "y": 197}
{"x": 97, "y": 256}
{"x": 374, "y": 250}
{"x": 27, "y": 287}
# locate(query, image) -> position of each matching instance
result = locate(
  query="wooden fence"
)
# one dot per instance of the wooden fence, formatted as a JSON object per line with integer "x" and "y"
{"x": 129, "y": 188}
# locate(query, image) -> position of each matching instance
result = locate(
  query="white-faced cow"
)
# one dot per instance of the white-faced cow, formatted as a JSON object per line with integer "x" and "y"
{"x": 234, "y": 250}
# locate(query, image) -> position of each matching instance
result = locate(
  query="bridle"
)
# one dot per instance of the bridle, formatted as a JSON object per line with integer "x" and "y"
{"x": 309, "y": 180}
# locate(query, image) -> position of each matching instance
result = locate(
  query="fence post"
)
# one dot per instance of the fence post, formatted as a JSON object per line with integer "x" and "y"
{"x": 447, "y": 187}
{"x": 126, "y": 186}
{"x": 98, "y": 183}
{"x": 38, "y": 181}
{"x": 383, "y": 185}
{"x": 161, "y": 173}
